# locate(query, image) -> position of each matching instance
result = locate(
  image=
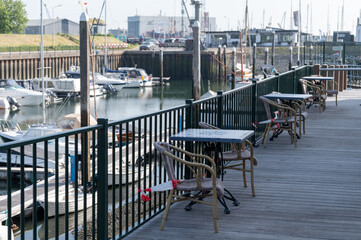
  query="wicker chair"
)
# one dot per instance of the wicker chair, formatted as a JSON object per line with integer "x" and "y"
{"x": 331, "y": 91}
{"x": 211, "y": 186}
{"x": 286, "y": 121}
{"x": 236, "y": 158}
{"x": 318, "y": 92}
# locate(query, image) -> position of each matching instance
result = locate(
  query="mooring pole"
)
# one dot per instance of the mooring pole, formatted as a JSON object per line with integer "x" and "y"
{"x": 273, "y": 48}
{"x": 196, "y": 61}
{"x": 233, "y": 67}
{"x": 85, "y": 89}
{"x": 290, "y": 58}
{"x": 161, "y": 66}
{"x": 266, "y": 56}
{"x": 225, "y": 61}
{"x": 219, "y": 63}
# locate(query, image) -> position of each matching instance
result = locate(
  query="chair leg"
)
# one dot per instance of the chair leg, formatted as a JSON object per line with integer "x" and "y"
{"x": 336, "y": 100}
{"x": 244, "y": 174}
{"x": 304, "y": 126}
{"x": 252, "y": 179}
{"x": 265, "y": 132}
{"x": 215, "y": 210}
{"x": 166, "y": 211}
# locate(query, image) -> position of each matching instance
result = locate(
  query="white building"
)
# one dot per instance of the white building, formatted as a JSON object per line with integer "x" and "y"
{"x": 156, "y": 26}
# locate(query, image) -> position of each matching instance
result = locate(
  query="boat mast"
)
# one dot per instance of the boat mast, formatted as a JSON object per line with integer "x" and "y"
{"x": 105, "y": 39}
{"x": 42, "y": 58}
{"x": 299, "y": 34}
{"x": 245, "y": 35}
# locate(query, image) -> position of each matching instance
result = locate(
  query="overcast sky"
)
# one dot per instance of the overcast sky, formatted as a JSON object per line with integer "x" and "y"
{"x": 227, "y": 12}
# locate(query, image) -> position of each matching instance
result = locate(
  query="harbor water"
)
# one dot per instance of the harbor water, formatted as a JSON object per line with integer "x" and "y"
{"x": 127, "y": 103}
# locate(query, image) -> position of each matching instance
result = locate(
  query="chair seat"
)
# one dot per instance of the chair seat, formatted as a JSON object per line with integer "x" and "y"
{"x": 191, "y": 185}
{"x": 331, "y": 92}
{"x": 303, "y": 114}
{"x": 282, "y": 120}
{"x": 233, "y": 156}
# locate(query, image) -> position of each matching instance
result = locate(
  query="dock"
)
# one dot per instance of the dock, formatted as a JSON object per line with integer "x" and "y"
{"x": 309, "y": 192}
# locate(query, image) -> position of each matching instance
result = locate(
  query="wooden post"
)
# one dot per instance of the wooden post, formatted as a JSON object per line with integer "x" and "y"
{"x": 84, "y": 86}
{"x": 225, "y": 61}
{"x": 219, "y": 63}
{"x": 290, "y": 56}
{"x": 266, "y": 56}
{"x": 316, "y": 69}
{"x": 233, "y": 68}
{"x": 161, "y": 66}
{"x": 273, "y": 48}
{"x": 196, "y": 61}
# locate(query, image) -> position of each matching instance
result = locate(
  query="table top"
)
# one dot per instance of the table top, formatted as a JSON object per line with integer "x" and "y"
{"x": 287, "y": 96}
{"x": 213, "y": 135}
{"x": 313, "y": 78}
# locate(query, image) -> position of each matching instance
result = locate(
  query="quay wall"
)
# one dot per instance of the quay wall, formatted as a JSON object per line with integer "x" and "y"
{"x": 177, "y": 64}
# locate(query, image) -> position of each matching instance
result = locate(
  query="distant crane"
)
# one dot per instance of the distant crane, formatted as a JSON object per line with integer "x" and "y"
{"x": 282, "y": 24}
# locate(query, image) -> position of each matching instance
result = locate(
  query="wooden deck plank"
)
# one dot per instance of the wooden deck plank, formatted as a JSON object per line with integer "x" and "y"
{"x": 311, "y": 192}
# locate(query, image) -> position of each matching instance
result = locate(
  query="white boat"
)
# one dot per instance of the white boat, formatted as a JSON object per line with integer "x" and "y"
{"x": 24, "y": 97}
{"x": 66, "y": 87}
{"x": 135, "y": 77}
{"x": 62, "y": 200}
{"x": 28, "y": 161}
{"x": 117, "y": 83}
{"x": 4, "y": 233}
{"x": 130, "y": 174}
{"x": 37, "y": 131}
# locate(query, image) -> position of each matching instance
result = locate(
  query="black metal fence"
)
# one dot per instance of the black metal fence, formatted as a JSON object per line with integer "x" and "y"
{"x": 336, "y": 54}
{"x": 100, "y": 168}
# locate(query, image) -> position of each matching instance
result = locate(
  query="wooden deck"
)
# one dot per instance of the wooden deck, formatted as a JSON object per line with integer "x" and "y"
{"x": 311, "y": 192}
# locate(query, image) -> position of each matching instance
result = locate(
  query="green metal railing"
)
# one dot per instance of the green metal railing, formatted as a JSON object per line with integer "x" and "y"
{"x": 122, "y": 160}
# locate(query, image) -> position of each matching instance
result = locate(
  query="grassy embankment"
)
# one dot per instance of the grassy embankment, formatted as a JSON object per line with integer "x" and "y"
{"x": 27, "y": 42}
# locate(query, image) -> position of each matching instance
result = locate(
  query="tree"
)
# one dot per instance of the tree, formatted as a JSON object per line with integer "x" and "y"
{"x": 12, "y": 16}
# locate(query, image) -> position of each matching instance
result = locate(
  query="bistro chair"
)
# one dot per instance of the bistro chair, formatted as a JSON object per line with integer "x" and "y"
{"x": 331, "y": 91}
{"x": 302, "y": 115}
{"x": 235, "y": 159}
{"x": 317, "y": 91}
{"x": 199, "y": 166}
{"x": 286, "y": 120}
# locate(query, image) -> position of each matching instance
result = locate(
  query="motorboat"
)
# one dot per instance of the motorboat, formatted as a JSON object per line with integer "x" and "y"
{"x": 136, "y": 77}
{"x": 66, "y": 87}
{"x": 24, "y": 97}
{"x": 61, "y": 202}
{"x": 117, "y": 83}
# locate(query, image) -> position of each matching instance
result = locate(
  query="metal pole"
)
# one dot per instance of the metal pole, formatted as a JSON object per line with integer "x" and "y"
{"x": 233, "y": 67}
{"x": 311, "y": 60}
{"x": 42, "y": 58}
{"x": 84, "y": 82}
{"x": 52, "y": 27}
{"x": 219, "y": 63}
{"x": 105, "y": 39}
{"x": 254, "y": 61}
{"x": 225, "y": 61}
{"x": 196, "y": 61}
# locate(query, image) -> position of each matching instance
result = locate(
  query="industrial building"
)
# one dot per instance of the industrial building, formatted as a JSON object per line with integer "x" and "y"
{"x": 160, "y": 26}
{"x": 51, "y": 26}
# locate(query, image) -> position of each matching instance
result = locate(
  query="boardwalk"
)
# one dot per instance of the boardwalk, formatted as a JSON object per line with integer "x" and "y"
{"x": 311, "y": 192}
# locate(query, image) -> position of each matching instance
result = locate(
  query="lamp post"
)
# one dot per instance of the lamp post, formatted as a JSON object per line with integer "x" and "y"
{"x": 52, "y": 27}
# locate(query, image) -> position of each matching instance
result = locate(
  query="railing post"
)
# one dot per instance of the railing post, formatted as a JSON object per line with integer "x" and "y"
{"x": 278, "y": 81}
{"x": 294, "y": 79}
{"x": 254, "y": 101}
{"x": 220, "y": 109}
{"x": 344, "y": 54}
{"x": 189, "y": 124}
{"x": 102, "y": 181}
